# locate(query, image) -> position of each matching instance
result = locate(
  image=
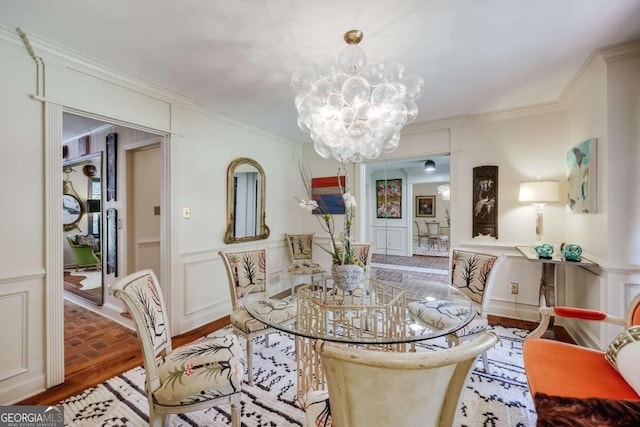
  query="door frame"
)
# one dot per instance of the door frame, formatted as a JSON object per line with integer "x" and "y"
{"x": 54, "y": 295}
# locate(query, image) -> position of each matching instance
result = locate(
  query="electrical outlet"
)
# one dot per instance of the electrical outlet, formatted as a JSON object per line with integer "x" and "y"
{"x": 514, "y": 288}
{"x": 186, "y": 213}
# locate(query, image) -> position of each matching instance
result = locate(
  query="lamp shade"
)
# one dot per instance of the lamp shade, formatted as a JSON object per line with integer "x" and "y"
{"x": 539, "y": 192}
{"x": 429, "y": 166}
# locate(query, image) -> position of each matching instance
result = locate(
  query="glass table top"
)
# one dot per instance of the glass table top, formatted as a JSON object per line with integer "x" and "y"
{"x": 377, "y": 312}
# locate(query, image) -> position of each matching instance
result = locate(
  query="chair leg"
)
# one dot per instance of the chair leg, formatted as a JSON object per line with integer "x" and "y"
{"x": 158, "y": 420}
{"x": 266, "y": 340}
{"x": 485, "y": 362}
{"x": 235, "y": 412}
{"x": 249, "y": 361}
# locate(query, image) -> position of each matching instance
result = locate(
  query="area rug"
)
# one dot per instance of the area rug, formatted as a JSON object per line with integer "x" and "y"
{"x": 497, "y": 398}
{"x": 92, "y": 279}
{"x": 430, "y": 251}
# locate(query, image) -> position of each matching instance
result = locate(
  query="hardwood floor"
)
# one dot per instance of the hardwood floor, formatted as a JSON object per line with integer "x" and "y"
{"x": 97, "y": 349}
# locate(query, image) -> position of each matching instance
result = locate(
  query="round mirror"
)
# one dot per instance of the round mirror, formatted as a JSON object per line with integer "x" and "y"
{"x": 72, "y": 211}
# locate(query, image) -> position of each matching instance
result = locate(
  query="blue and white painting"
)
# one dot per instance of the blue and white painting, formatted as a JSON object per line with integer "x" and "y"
{"x": 581, "y": 177}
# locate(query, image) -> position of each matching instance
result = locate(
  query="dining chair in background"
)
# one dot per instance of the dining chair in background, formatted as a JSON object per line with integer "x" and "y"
{"x": 300, "y": 247}
{"x": 195, "y": 376}
{"x": 373, "y": 388}
{"x": 247, "y": 273}
{"x": 433, "y": 234}
{"x": 421, "y": 232}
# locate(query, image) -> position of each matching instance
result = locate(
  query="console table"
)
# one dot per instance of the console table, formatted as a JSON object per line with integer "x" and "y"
{"x": 547, "y": 292}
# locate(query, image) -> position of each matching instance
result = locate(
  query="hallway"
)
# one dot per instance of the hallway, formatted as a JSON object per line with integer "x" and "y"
{"x": 403, "y": 269}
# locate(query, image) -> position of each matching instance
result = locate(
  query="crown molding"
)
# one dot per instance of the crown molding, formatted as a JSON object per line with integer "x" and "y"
{"x": 528, "y": 110}
{"x": 78, "y": 63}
{"x": 620, "y": 51}
{"x": 446, "y": 123}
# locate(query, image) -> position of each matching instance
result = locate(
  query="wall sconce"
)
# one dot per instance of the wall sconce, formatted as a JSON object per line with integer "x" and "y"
{"x": 429, "y": 166}
{"x": 539, "y": 193}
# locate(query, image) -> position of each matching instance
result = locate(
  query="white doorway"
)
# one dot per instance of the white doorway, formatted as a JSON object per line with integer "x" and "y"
{"x": 143, "y": 206}
{"x": 394, "y": 232}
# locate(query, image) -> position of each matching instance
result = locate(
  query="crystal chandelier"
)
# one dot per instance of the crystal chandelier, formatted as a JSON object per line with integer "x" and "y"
{"x": 354, "y": 109}
{"x": 445, "y": 191}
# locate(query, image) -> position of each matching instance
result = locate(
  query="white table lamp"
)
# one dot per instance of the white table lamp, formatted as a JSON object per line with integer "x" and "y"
{"x": 539, "y": 193}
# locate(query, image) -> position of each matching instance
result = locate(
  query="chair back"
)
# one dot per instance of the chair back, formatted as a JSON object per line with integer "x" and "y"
{"x": 142, "y": 295}
{"x": 363, "y": 253}
{"x": 474, "y": 274}
{"x": 373, "y": 388}
{"x": 300, "y": 246}
{"x": 246, "y": 272}
{"x": 433, "y": 229}
{"x": 633, "y": 311}
{"x": 420, "y": 228}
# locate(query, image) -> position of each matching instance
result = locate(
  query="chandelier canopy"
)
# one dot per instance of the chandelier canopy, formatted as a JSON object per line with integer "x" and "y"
{"x": 354, "y": 109}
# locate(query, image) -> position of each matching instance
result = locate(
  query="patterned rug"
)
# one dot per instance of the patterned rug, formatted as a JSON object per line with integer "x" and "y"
{"x": 498, "y": 398}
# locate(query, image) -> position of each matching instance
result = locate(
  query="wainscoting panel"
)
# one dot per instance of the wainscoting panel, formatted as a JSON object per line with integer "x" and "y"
{"x": 148, "y": 256}
{"x": 13, "y": 357}
{"x": 390, "y": 240}
{"x": 204, "y": 297}
{"x": 22, "y": 359}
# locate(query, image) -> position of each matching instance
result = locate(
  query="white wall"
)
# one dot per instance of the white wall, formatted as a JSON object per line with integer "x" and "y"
{"x": 22, "y": 272}
{"x": 441, "y": 206}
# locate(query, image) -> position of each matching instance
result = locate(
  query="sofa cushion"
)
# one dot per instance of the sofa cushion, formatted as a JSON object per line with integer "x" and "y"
{"x": 88, "y": 240}
{"x": 561, "y": 369}
{"x": 624, "y": 353}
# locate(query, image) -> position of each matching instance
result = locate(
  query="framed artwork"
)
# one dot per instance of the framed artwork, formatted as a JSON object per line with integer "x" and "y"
{"x": 581, "y": 177}
{"x": 83, "y": 145}
{"x": 389, "y": 198}
{"x": 111, "y": 166}
{"x": 326, "y": 192}
{"x": 485, "y": 201}
{"x": 426, "y": 206}
{"x": 112, "y": 241}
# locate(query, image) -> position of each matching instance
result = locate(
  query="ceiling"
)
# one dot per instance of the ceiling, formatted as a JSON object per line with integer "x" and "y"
{"x": 236, "y": 57}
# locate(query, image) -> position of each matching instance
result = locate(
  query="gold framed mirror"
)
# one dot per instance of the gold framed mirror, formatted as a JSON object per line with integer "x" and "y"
{"x": 245, "y": 202}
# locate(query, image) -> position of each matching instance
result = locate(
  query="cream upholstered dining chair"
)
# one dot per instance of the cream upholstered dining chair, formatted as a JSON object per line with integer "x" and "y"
{"x": 300, "y": 247}
{"x": 195, "y": 376}
{"x": 247, "y": 273}
{"x": 433, "y": 234}
{"x": 474, "y": 274}
{"x": 422, "y": 232}
{"x": 373, "y": 388}
{"x": 363, "y": 253}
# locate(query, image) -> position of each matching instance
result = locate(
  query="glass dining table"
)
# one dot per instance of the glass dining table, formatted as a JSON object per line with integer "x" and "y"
{"x": 378, "y": 314}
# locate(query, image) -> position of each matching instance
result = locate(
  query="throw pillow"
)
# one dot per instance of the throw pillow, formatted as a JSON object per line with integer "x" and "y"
{"x": 623, "y": 354}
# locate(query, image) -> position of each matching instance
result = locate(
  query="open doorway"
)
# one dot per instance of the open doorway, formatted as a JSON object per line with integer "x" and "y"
{"x": 103, "y": 181}
{"x": 403, "y": 197}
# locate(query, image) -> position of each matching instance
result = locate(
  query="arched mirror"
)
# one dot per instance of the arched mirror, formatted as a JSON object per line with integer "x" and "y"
{"x": 245, "y": 202}
{"x": 82, "y": 226}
